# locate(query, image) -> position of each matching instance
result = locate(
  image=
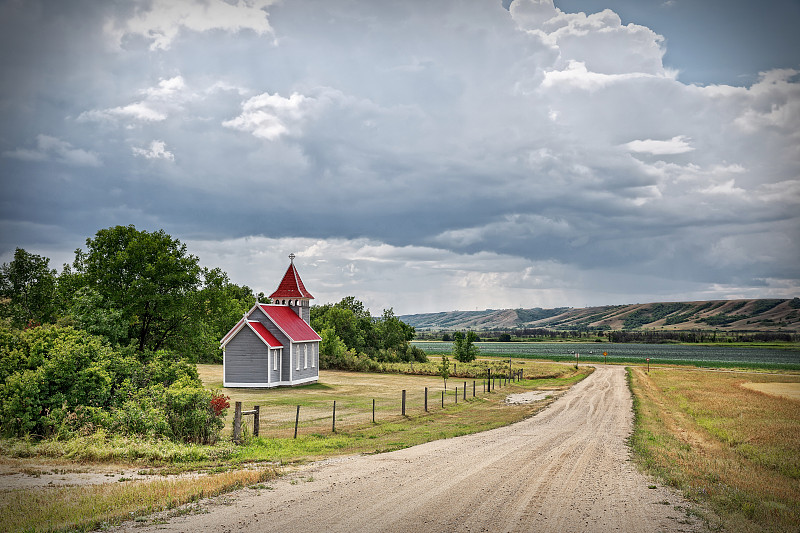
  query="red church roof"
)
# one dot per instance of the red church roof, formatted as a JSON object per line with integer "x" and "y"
{"x": 264, "y": 333}
{"x": 291, "y": 286}
{"x": 291, "y": 324}
{"x": 257, "y": 327}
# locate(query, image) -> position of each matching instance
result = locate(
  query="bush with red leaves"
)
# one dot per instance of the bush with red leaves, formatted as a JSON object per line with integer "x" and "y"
{"x": 219, "y": 402}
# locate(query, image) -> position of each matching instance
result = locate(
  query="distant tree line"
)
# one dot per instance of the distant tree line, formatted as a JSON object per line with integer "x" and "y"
{"x": 647, "y": 336}
{"x": 507, "y": 335}
{"x": 700, "y": 336}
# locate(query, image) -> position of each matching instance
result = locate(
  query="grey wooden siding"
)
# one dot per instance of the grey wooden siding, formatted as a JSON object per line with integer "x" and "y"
{"x": 275, "y": 375}
{"x": 313, "y": 363}
{"x": 286, "y": 373}
{"x": 246, "y": 358}
{"x": 305, "y": 312}
{"x": 259, "y": 315}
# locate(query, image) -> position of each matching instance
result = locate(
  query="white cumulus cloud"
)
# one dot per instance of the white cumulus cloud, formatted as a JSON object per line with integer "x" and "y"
{"x": 676, "y": 145}
{"x": 156, "y": 150}
{"x": 161, "y": 21}
{"x": 159, "y": 101}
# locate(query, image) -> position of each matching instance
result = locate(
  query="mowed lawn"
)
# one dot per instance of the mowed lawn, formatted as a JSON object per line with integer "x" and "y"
{"x": 723, "y": 442}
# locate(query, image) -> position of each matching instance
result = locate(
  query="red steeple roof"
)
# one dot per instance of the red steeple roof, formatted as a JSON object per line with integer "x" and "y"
{"x": 291, "y": 285}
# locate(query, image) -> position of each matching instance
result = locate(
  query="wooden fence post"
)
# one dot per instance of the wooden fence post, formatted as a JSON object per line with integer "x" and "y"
{"x": 456, "y": 394}
{"x": 442, "y": 399}
{"x": 426, "y": 399}
{"x": 256, "y": 418}
{"x": 373, "y": 410}
{"x": 404, "y": 403}
{"x": 237, "y": 422}
{"x": 473, "y": 388}
{"x": 333, "y": 427}
{"x": 489, "y": 378}
{"x": 296, "y": 420}
{"x": 465, "y": 391}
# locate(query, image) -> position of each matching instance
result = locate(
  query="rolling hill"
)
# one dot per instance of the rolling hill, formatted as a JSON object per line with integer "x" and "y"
{"x": 739, "y": 315}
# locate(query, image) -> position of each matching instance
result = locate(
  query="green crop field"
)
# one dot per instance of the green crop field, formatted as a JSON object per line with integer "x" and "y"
{"x": 788, "y": 358}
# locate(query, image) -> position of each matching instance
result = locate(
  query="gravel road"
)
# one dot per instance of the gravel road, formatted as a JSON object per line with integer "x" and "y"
{"x": 566, "y": 469}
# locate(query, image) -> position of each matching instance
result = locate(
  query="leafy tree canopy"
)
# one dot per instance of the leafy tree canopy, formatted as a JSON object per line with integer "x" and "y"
{"x": 28, "y": 289}
{"x": 348, "y": 325}
{"x": 148, "y": 276}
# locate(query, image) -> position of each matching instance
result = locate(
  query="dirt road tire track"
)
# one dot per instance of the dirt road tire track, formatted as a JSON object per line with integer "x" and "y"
{"x": 565, "y": 470}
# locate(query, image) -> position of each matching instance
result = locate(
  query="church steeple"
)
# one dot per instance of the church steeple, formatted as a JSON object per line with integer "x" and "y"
{"x": 293, "y": 293}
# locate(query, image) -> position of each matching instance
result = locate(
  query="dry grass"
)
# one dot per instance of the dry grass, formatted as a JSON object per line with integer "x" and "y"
{"x": 731, "y": 447}
{"x": 90, "y": 507}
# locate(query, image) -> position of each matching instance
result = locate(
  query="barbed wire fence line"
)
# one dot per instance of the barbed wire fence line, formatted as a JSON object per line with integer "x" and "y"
{"x": 315, "y": 416}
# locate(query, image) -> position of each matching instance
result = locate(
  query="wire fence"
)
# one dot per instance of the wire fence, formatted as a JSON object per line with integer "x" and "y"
{"x": 316, "y": 416}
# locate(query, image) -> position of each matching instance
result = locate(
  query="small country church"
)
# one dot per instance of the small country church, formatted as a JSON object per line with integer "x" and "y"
{"x": 273, "y": 344}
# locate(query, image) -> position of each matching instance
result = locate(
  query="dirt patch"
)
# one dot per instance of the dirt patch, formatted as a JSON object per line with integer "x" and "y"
{"x": 17, "y": 475}
{"x": 786, "y": 390}
{"x": 527, "y": 397}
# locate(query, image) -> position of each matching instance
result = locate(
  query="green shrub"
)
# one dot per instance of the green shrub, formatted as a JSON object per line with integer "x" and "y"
{"x": 189, "y": 413}
{"x": 60, "y": 382}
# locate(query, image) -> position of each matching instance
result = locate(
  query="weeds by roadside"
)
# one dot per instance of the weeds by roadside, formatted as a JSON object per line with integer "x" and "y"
{"x": 92, "y": 507}
{"x": 727, "y": 447}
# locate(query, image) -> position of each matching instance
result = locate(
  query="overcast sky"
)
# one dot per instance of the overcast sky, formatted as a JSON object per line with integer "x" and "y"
{"x": 425, "y": 155}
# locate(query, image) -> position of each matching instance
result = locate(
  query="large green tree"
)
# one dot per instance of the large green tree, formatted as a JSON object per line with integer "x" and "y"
{"x": 28, "y": 289}
{"x": 148, "y": 276}
{"x": 392, "y": 331}
{"x": 214, "y": 308}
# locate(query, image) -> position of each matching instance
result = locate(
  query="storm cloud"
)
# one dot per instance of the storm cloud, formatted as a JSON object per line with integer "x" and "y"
{"x": 422, "y": 155}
